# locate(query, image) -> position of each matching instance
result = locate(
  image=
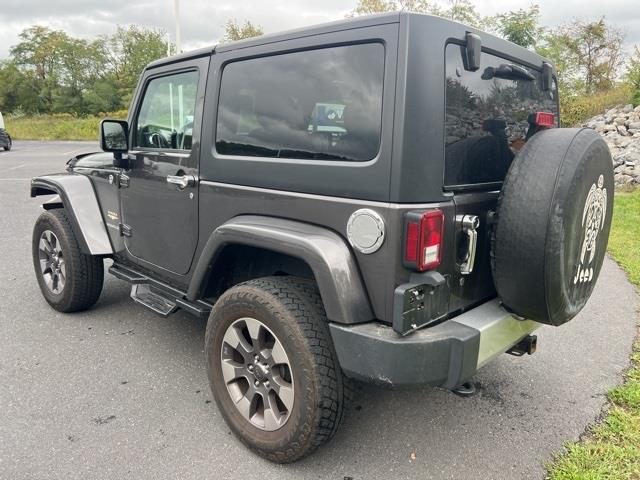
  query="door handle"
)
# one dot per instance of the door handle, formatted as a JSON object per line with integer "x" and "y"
{"x": 469, "y": 225}
{"x": 183, "y": 181}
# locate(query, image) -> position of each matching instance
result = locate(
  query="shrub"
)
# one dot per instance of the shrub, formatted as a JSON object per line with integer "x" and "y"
{"x": 575, "y": 110}
{"x": 57, "y": 126}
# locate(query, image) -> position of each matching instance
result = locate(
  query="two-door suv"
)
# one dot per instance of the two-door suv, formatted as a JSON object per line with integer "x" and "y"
{"x": 387, "y": 199}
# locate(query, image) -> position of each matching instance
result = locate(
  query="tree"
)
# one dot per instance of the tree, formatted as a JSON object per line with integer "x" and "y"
{"x": 105, "y": 97}
{"x": 54, "y": 72}
{"x": 599, "y": 48}
{"x": 520, "y": 26}
{"x": 19, "y": 90}
{"x": 80, "y": 64}
{"x": 463, "y": 11}
{"x": 38, "y": 51}
{"x": 367, "y": 7}
{"x": 596, "y": 47}
{"x": 419, "y": 6}
{"x": 459, "y": 10}
{"x": 633, "y": 75}
{"x": 587, "y": 54}
{"x": 235, "y": 31}
{"x": 129, "y": 51}
{"x": 554, "y": 47}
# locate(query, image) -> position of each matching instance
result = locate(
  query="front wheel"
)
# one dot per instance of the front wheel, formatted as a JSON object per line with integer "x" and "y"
{"x": 70, "y": 280}
{"x": 8, "y": 145}
{"x": 273, "y": 369}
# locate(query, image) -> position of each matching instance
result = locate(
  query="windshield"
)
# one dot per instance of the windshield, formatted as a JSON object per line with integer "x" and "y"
{"x": 487, "y": 115}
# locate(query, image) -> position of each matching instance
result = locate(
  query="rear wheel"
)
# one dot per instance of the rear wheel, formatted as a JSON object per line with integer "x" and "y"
{"x": 272, "y": 368}
{"x": 70, "y": 280}
{"x": 8, "y": 145}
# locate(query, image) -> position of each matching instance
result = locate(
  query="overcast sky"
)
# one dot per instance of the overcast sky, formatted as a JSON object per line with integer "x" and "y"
{"x": 203, "y": 20}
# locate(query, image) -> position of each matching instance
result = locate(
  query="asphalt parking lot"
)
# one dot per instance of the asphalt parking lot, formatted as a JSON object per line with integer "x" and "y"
{"x": 120, "y": 393}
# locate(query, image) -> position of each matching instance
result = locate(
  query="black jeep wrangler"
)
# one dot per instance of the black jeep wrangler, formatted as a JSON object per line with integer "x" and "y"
{"x": 387, "y": 199}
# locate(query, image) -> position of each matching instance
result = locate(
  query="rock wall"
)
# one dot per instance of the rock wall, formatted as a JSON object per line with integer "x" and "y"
{"x": 620, "y": 128}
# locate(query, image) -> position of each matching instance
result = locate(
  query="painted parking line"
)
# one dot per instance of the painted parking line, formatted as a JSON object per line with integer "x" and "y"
{"x": 79, "y": 150}
{"x": 25, "y": 148}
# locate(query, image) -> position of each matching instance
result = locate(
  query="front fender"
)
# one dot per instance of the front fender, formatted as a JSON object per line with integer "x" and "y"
{"x": 335, "y": 270}
{"x": 79, "y": 200}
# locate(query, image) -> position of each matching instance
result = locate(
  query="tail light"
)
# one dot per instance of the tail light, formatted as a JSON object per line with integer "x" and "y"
{"x": 423, "y": 239}
{"x": 542, "y": 119}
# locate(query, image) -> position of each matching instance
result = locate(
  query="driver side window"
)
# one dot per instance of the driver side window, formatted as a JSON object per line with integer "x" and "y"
{"x": 165, "y": 119}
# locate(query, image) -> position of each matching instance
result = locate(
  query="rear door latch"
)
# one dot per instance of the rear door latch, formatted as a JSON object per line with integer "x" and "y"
{"x": 469, "y": 225}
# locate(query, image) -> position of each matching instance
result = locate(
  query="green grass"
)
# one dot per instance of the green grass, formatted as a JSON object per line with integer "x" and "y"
{"x": 611, "y": 449}
{"x": 624, "y": 242}
{"x": 61, "y": 126}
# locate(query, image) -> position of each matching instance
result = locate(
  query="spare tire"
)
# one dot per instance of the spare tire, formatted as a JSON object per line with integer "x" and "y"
{"x": 552, "y": 224}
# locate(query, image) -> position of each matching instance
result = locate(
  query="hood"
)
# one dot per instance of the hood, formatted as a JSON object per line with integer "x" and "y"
{"x": 91, "y": 160}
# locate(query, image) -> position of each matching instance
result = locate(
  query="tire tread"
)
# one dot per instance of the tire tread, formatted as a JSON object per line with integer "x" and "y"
{"x": 85, "y": 273}
{"x": 300, "y": 297}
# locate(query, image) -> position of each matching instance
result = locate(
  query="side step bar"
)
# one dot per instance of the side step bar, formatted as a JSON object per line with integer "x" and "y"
{"x": 157, "y": 296}
{"x": 142, "y": 293}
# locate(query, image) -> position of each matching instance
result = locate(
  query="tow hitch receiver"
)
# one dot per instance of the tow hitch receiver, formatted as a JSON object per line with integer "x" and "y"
{"x": 528, "y": 344}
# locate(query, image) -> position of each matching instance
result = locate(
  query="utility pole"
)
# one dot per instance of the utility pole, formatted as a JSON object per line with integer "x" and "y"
{"x": 177, "y": 15}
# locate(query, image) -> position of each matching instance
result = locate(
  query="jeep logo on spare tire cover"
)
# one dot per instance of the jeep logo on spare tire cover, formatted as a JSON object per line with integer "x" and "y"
{"x": 593, "y": 217}
{"x": 553, "y": 222}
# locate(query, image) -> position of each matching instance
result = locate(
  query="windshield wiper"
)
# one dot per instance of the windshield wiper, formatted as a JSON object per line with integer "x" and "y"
{"x": 507, "y": 72}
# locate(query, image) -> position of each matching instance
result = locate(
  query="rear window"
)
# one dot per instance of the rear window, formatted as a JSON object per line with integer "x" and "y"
{"x": 486, "y": 116}
{"x": 321, "y": 104}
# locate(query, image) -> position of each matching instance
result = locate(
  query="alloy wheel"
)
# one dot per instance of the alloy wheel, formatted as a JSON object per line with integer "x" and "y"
{"x": 257, "y": 373}
{"x": 52, "y": 262}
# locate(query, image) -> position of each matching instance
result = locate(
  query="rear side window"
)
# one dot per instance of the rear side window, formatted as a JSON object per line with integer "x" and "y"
{"x": 486, "y": 116}
{"x": 323, "y": 104}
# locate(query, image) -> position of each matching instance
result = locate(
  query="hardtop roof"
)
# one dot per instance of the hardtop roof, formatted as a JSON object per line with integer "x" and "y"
{"x": 430, "y": 22}
{"x": 348, "y": 23}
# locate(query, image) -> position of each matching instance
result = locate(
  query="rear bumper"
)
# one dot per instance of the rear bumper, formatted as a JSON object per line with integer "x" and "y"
{"x": 445, "y": 355}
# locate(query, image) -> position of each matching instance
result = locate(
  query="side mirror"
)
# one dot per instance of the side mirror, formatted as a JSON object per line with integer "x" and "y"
{"x": 114, "y": 137}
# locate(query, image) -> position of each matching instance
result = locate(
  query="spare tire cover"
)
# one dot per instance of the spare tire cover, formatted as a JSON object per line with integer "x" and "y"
{"x": 552, "y": 224}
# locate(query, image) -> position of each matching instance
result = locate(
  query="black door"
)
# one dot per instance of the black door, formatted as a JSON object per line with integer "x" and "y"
{"x": 160, "y": 204}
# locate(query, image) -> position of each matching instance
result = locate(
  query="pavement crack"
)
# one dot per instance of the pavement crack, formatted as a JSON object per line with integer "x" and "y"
{"x": 104, "y": 420}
